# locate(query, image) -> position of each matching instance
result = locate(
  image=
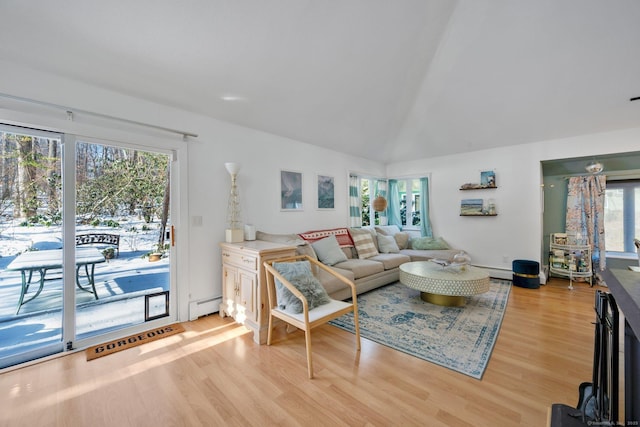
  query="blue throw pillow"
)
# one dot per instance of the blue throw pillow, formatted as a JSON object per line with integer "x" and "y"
{"x": 300, "y": 276}
{"x": 328, "y": 250}
{"x": 429, "y": 243}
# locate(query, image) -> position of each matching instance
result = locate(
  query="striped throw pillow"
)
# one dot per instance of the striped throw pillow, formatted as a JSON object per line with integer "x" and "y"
{"x": 364, "y": 245}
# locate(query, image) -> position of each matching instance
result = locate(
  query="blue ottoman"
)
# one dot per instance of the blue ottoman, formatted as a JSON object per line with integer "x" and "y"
{"x": 526, "y": 274}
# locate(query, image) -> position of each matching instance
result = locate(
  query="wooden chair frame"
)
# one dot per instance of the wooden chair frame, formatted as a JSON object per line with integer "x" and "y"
{"x": 308, "y": 319}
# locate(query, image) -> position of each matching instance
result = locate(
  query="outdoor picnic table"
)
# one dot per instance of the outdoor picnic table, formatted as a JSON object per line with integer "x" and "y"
{"x": 41, "y": 261}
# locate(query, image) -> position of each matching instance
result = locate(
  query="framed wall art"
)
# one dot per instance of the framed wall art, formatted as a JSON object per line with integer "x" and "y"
{"x": 488, "y": 179}
{"x": 471, "y": 207}
{"x": 326, "y": 196}
{"x": 290, "y": 191}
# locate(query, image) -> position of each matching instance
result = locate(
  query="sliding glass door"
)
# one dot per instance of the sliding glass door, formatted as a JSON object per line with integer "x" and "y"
{"x": 122, "y": 236}
{"x": 31, "y": 286}
{"x": 85, "y": 242}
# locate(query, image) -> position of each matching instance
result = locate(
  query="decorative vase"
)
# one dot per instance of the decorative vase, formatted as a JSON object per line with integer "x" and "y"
{"x": 461, "y": 259}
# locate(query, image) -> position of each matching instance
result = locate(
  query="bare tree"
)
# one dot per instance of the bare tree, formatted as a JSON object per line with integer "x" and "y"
{"x": 164, "y": 217}
{"x": 27, "y": 195}
{"x": 53, "y": 179}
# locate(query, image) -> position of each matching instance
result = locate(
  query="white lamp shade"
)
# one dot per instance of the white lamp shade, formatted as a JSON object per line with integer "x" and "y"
{"x": 233, "y": 168}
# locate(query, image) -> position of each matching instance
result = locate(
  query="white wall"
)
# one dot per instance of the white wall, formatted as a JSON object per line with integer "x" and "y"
{"x": 204, "y": 189}
{"x": 262, "y": 157}
{"x": 514, "y": 233}
{"x": 517, "y": 230}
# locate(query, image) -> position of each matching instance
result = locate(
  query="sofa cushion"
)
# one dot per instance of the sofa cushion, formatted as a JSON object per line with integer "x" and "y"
{"x": 299, "y": 274}
{"x": 328, "y": 250}
{"x": 364, "y": 245}
{"x": 402, "y": 239}
{"x": 429, "y": 243}
{"x": 391, "y": 261}
{"x": 286, "y": 239}
{"x": 331, "y": 283}
{"x": 387, "y": 230}
{"x": 306, "y": 249}
{"x": 361, "y": 267}
{"x": 387, "y": 244}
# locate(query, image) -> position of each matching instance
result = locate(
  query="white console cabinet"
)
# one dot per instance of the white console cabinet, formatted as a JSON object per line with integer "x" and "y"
{"x": 244, "y": 292}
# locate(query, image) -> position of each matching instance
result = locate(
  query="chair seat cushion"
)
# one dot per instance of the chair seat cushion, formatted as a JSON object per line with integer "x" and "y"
{"x": 318, "y": 312}
{"x": 299, "y": 275}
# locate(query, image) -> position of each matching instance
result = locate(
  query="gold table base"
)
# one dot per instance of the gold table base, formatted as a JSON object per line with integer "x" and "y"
{"x": 444, "y": 300}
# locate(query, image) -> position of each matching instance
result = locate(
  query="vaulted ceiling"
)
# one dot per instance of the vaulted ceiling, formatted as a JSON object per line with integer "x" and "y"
{"x": 386, "y": 80}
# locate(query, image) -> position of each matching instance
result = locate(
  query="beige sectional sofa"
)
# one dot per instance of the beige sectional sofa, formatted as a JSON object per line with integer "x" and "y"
{"x": 370, "y": 261}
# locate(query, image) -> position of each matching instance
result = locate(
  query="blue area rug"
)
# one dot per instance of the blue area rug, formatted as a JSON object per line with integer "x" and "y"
{"x": 458, "y": 338}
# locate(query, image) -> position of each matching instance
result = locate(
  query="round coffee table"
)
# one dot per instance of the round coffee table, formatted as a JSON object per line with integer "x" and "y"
{"x": 446, "y": 286}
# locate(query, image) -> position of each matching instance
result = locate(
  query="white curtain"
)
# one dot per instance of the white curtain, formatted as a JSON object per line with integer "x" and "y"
{"x": 355, "y": 218}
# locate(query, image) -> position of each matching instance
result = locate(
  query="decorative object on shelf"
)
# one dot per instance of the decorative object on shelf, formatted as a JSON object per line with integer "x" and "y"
{"x": 487, "y": 180}
{"x": 471, "y": 206}
{"x": 234, "y": 233}
{"x": 491, "y": 207}
{"x": 379, "y": 204}
{"x": 326, "y": 192}
{"x": 478, "y": 207}
{"x": 594, "y": 167}
{"x": 290, "y": 191}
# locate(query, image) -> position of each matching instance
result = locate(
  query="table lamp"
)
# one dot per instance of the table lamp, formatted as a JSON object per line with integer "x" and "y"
{"x": 234, "y": 233}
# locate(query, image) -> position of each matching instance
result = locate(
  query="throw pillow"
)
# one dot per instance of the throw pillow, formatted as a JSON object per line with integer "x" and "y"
{"x": 429, "y": 243}
{"x": 364, "y": 245}
{"x": 299, "y": 274}
{"x": 328, "y": 251}
{"x": 387, "y": 230}
{"x": 387, "y": 244}
{"x": 402, "y": 239}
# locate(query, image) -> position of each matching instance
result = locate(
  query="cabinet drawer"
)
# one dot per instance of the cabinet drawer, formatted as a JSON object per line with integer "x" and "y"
{"x": 240, "y": 260}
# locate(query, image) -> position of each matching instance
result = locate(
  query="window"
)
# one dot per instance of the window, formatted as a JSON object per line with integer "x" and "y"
{"x": 409, "y": 211}
{"x": 622, "y": 215}
{"x": 409, "y": 193}
{"x": 368, "y": 192}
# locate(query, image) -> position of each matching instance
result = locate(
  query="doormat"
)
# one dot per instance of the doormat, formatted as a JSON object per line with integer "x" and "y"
{"x": 133, "y": 341}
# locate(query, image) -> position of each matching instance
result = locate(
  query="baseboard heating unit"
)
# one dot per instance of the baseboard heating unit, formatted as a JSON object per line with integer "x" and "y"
{"x": 203, "y": 307}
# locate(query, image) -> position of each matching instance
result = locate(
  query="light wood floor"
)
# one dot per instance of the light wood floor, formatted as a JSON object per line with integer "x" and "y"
{"x": 214, "y": 374}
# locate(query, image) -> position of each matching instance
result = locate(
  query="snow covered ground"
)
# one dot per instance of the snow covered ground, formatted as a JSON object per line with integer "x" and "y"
{"x": 121, "y": 284}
